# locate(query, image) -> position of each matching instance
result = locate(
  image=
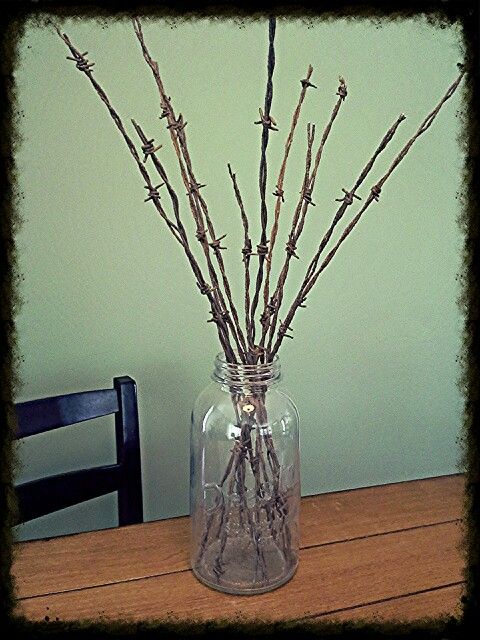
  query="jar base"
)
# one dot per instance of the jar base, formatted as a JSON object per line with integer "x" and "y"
{"x": 226, "y": 587}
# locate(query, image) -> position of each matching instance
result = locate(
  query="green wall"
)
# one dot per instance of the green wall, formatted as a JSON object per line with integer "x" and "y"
{"x": 106, "y": 290}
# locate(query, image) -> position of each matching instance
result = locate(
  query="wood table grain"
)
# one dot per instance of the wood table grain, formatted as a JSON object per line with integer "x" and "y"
{"x": 387, "y": 552}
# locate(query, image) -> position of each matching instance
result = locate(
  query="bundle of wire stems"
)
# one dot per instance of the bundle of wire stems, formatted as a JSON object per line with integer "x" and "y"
{"x": 256, "y": 339}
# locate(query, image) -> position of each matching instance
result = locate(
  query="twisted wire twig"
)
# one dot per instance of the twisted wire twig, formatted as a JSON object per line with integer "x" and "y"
{"x": 291, "y": 246}
{"x": 247, "y": 253}
{"x": 204, "y": 288}
{"x": 267, "y": 123}
{"x": 176, "y": 127}
{"x": 373, "y": 196}
{"x": 305, "y": 201}
{"x": 86, "y": 67}
{"x": 349, "y": 196}
{"x": 279, "y": 193}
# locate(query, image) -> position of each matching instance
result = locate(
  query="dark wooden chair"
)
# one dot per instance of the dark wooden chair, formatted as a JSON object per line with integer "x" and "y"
{"x": 52, "y": 493}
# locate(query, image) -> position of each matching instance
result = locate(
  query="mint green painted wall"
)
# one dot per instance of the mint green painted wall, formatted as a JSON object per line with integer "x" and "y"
{"x": 107, "y": 292}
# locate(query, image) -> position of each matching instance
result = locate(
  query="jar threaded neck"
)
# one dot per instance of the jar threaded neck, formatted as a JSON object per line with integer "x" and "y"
{"x": 246, "y": 375}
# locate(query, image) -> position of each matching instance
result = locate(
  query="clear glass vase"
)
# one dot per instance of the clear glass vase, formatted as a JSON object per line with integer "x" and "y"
{"x": 244, "y": 480}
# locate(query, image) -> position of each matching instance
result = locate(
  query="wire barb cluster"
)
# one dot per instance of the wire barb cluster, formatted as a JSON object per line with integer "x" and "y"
{"x": 262, "y": 250}
{"x": 348, "y": 197}
{"x": 178, "y": 124}
{"x": 342, "y": 89}
{"x": 153, "y": 192}
{"x": 149, "y": 149}
{"x": 306, "y": 83}
{"x": 216, "y": 244}
{"x": 266, "y": 120}
{"x": 81, "y": 61}
{"x": 279, "y": 193}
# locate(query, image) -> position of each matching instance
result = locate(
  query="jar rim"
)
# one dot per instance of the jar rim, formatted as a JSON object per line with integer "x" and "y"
{"x": 221, "y": 358}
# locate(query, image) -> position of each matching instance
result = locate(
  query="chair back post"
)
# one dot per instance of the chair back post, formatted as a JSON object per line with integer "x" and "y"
{"x": 130, "y": 502}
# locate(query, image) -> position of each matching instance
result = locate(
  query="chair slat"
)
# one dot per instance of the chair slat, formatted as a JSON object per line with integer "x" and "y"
{"x": 40, "y": 497}
{"x": 37, "y": 416}
{"x": 57, "y": 492}
{"x": 130, "y": 509}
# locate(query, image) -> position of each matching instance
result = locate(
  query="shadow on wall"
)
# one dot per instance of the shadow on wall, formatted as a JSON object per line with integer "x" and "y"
{"x": 166, "y": 396}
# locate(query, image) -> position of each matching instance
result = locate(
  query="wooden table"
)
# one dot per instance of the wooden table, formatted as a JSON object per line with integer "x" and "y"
{"x": 391, "y": 551}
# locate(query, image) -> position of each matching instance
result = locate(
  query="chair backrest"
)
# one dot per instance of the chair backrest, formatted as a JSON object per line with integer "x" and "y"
{"x": 52, "y": 493}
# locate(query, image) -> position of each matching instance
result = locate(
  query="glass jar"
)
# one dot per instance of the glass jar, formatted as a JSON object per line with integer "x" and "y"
{"x": 244, "y": 480}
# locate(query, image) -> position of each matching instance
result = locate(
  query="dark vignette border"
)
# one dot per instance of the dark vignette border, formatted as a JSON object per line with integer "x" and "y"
{"x": 439, "y": 12}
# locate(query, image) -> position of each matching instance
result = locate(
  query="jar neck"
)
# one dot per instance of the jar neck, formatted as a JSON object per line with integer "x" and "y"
{"x": 238, "y": 377}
